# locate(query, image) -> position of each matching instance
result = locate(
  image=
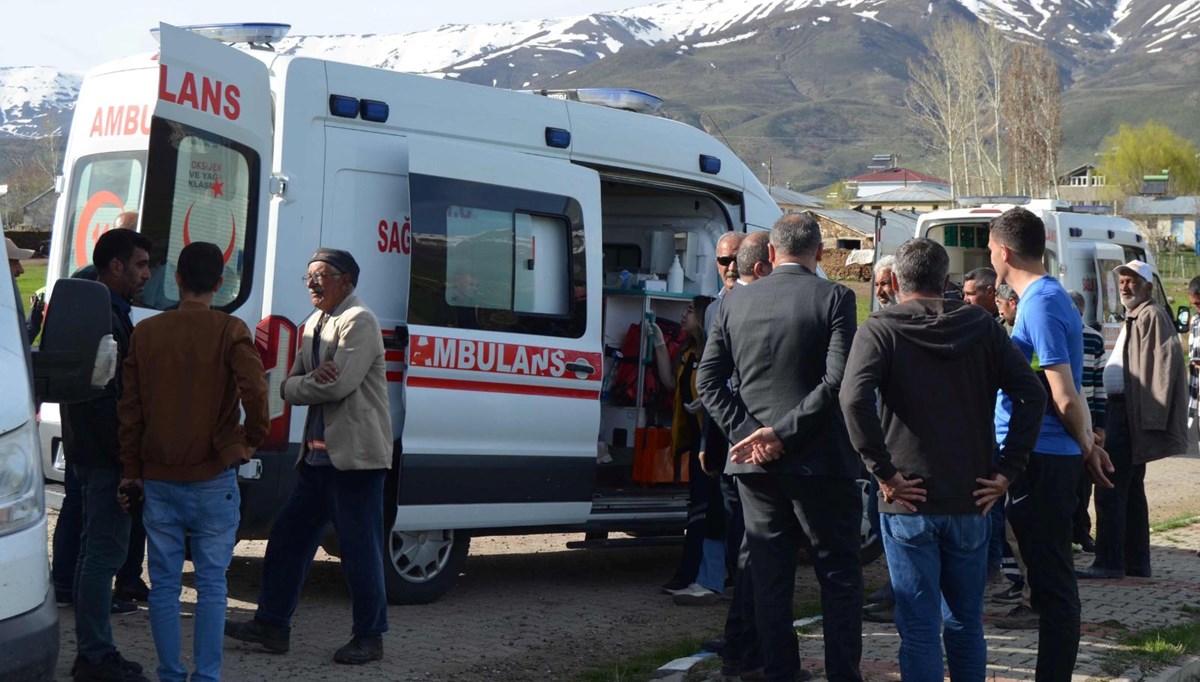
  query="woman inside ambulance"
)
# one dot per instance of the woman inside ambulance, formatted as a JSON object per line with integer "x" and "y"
{"x": 700, "y": 578}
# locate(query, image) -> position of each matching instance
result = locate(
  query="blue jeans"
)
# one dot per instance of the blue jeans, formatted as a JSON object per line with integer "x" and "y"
{"x": 208, "y": 510}
{"x": 938, "y": 564}
{"x": 104, "y": 545}
{"x": 353, "y": 501}
{"x": 68, "y": 538}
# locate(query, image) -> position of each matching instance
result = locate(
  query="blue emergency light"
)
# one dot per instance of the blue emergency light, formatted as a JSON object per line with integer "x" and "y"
{"x": 374, "y": 110}
{"x": 710, "y": 164}
{"x": 558, "y": 138}
{"x": 341, "y": 105}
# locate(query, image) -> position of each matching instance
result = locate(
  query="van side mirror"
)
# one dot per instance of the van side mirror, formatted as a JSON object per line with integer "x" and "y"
{"x": 77, "y": 356}
{"x": 1183, "y": 319}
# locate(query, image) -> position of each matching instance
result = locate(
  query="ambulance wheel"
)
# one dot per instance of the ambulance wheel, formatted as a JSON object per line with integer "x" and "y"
{"x": 420, "y": 566}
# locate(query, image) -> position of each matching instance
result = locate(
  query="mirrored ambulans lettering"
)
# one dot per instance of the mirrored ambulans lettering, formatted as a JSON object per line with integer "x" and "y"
{"x": 488, "y": 356}
{"x": 209, "y": 95}
{"x": 128, "y": 119}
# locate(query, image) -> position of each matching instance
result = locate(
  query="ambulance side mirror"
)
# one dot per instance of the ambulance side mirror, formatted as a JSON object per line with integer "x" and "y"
{"x": 77, "y": 356}
{"x": 1183, "y": 318}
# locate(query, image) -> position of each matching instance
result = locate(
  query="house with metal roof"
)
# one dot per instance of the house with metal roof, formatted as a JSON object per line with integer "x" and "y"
{"x": 1168, "y": 219}
{"x": 791, "y": 201}
{"x": 891, "y": 179}
{"x": 854, "y": 229}
{"x": 913, "y": 198}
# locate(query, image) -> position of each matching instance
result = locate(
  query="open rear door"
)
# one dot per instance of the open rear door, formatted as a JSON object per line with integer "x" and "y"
{"x": 210, "y": 155}
{"x": 1109, "y": 311}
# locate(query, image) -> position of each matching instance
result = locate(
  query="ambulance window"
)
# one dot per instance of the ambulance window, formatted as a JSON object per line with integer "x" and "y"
{"x": 102, "y": 187}
{"x": 199, "y": 187}
{"x": 496, "y": 258}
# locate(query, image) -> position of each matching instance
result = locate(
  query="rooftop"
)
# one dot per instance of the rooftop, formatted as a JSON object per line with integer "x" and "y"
{"x": 902, "y": 175}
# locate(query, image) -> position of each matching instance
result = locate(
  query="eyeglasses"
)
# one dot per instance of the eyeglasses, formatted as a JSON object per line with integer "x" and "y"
{"x": 317, "y": 277}
{"x": 725, "y": 261}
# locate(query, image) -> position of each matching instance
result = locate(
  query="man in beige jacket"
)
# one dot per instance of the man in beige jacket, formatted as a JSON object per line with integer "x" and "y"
{"x": 347, "y": 451}
{"x": 1146, "y": 382}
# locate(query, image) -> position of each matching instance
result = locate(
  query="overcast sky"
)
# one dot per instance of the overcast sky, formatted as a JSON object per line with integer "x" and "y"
{"x": 75, "y": 35}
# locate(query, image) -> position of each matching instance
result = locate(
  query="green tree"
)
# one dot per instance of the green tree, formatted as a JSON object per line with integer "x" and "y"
{"x": 1132, "y": 153}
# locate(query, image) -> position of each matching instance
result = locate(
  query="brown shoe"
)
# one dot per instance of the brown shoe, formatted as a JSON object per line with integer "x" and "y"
{"x": 1021, "y": 617}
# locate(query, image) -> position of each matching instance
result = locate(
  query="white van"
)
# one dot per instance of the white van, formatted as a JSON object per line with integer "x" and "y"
{"x": 1082, "y": 249}
{"x": 487, "y": 224}
{"x": 63, "y": 366}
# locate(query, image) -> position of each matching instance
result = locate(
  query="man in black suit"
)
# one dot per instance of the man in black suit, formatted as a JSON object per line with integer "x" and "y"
{"x": 788, "y": 335}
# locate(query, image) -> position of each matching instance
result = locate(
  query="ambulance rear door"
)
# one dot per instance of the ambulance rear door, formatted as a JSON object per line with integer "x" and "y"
{"x": 1109, "y": 310}
{"x": 209, "y": 159}
{"x": 504, "y": 367}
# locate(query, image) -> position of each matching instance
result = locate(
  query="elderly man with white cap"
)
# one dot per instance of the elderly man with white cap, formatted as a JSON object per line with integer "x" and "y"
{"x": 1146, "y": 382}
{"x": 15, "y": 255}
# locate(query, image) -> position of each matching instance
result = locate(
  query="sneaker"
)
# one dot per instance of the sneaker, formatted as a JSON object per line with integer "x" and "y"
{"x": 272, "y": 637}
{"x": 1009, "y": 595}
{"x": 132, "y": 590}
{"x": 360, "y": 650}
{"x": 1021, "y": 617}
{"x": 123, "y": 608}
{"x": 111, "y": 668}
{"x": 695, "y": 595}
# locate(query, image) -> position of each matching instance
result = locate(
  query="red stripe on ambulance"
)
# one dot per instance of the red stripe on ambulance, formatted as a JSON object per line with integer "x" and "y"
{"x": 496, "y": 387}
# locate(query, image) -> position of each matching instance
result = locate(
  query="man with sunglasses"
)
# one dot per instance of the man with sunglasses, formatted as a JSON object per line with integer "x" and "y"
{"x": 347, "y": 451}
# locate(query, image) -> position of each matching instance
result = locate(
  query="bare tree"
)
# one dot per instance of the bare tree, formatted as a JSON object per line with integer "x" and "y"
{"x": 1031, "y": 112}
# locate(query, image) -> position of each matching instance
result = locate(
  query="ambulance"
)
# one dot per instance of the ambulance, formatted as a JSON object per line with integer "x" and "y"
{"x": 1082, "y": 249}
{"x": 506, "y": 239}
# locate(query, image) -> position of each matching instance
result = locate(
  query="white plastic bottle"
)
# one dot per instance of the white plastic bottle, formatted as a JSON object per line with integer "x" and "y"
{"x": 675, "y": 277}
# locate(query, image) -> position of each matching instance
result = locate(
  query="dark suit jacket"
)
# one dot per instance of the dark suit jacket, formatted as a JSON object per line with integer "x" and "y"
{"x": 788, "y": 336}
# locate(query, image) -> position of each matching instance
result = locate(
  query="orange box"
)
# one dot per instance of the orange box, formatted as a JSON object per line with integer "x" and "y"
{"x": 652, "y": 458}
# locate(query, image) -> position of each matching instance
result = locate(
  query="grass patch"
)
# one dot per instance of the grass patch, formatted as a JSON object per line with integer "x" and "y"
{"x": 642, "y": 666}
{"x": 1173, "y": 524}
{"x": 1154, "y": 649}
{"x": 33, "y": 279}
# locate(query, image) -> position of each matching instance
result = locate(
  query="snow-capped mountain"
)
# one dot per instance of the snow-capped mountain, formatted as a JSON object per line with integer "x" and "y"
{"x": 35, "y": 100}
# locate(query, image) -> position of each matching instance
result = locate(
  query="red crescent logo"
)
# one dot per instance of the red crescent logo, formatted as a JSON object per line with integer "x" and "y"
{"x": 85, "y": 237}
{"x": 187, "y": 239}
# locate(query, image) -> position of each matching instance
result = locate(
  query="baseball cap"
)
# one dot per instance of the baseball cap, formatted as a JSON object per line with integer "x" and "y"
{"x": 15, "y": 252}
{"x": 1136, "y": 267}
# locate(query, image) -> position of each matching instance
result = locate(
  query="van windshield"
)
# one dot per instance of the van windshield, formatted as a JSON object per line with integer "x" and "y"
{"x": 200, "y": 187}
{"x": 102, "y": 187}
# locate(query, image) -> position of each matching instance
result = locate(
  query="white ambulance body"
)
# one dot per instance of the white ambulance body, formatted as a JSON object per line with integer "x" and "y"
{"x": 1081, "y": 251}
{"x": 482, "y": 220}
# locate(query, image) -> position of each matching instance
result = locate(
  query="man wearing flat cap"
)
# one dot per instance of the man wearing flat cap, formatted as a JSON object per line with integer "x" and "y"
{"x": 347, "y": 450}
{"x": 15, "y": 255}
{"x": 1146, "y": 382}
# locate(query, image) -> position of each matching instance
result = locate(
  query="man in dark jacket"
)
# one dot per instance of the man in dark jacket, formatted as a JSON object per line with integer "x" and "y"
{"x": 122, "y": 261}
{"x": 937, "y": 365}
{"x": 787, "y": 336}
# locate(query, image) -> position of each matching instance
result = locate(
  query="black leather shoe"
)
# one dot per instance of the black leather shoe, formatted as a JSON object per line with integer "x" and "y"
{"x": 716, "y": 645}
{"x": 1096, "y": 573}
{"x": 360, "y": 650}
{"x": 757, "y": 675}
{"x": 882, "y": 594}
{"x": 881, "y": 612}
{"x": 131, "y": 590}
{"x": 272, "y": 637}
{"x": 1087, "y": 544}
{"x": 1138, "y": 573}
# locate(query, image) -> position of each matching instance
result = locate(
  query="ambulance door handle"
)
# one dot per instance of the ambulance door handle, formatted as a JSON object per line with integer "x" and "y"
{"x": 578, "y": 367}
{"x": 398, "y": 340}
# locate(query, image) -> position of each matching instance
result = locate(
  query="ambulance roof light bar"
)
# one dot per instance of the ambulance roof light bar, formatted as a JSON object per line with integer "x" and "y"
{"x": 615, "y": 98}
{"x": 259, "y": 35}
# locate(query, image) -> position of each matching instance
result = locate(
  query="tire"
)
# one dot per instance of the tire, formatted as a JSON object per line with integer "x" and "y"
{"x": 420, "y": 566}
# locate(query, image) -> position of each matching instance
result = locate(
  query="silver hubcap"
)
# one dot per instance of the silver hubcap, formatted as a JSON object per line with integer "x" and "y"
{"x": 420, "y": 556}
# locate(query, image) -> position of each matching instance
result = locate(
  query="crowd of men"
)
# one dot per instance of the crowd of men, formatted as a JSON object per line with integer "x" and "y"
{"x": 984, "y": 422}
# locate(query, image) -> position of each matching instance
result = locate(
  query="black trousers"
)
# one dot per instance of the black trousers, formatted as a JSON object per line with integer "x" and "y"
{"x": 1041, "y": 502}
{"x": 779, "y": 510}
{"x": 1122, "y": 512}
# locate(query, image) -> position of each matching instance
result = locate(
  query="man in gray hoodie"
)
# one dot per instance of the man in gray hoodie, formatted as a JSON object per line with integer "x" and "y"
{"x": 937, "y": 365}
